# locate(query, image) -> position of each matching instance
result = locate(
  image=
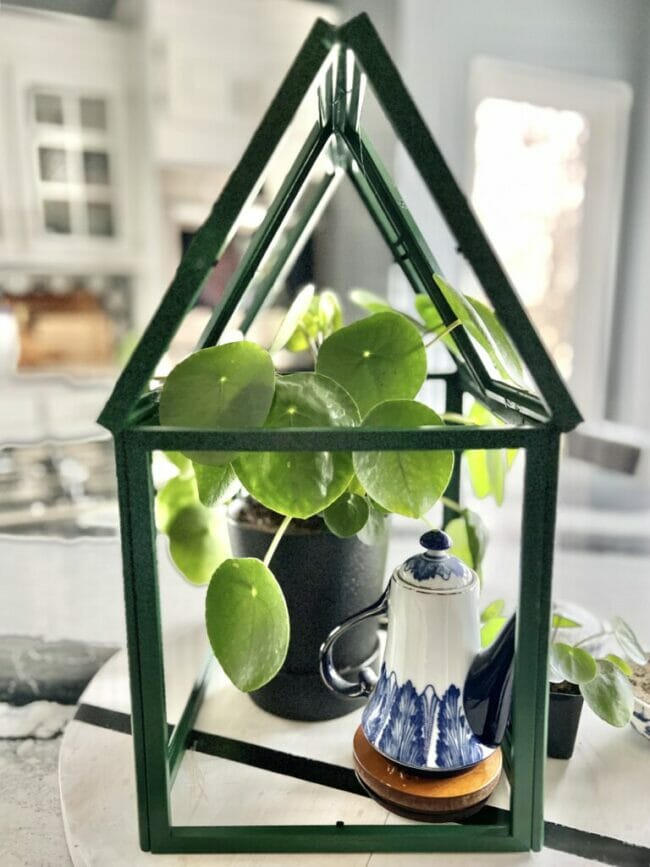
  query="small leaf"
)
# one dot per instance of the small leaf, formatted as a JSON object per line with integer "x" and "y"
{"x": 406, "y": 482}
{"x": 369, "y": 301}
{"x": 375, "y": 529}
{"x": 247, "y": 622}
{"x": 355, "y": 486}
{"x": 609, "y": 694}
{"x": 477, "y": 537}
{"x": 180, "y": 462}
{"x": 228, "y": 386}
{"x": 621, "y": 663}
{"x": 299, "y": 306}
{"x": 494, "y": 609}
{"x": 215, "y": 484}
{"x": 198, "y": 542}
{"x": 561, "y": 622}
{"x": 376, "y": 359}
{"x": 178, "y": 492}
{"x": 577, "y": 665}
{"x": 491, "y": 629}
{"x": 347, "y": 515}
{"x": 457, "y": 530}
{"x": 300, "y": 483}
{"x": 499, "y": 337}
{"x": 329, "y": 312}
{"x": 628, "y": 641}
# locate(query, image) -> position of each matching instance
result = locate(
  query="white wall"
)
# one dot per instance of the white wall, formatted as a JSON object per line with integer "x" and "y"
{"x": 604, "y": 38}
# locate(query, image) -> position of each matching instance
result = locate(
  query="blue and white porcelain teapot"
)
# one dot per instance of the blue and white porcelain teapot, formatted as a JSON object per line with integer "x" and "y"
{"x": 439, "y": 703}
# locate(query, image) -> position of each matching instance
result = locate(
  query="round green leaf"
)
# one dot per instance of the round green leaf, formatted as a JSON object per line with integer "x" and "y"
{"x": 499, "y": 336}
{"x": 180, "y": 462}
{"x": 375, "y": 528}
{"x": 247, "y": 622}
{"x": 229, "y": 386}
{"x": 574, "y": 663}
{"x": 295, "y": 313}
{"x": 301, "y": 484}
{"x": 378, "y": 358}
{"x": 620, "y": 663}
{"x": 198, "y": 542}
{"x": 215, "y": 484}
{"x": 178, "y": 492}
{"x": 329, "y": 311}
{"x": 347, "y": 515}
{"x": 457, "y": 529}
{"x": 405, "y": 482}
{"x": 628, "y": 641}
{"x": 609, "y": 694}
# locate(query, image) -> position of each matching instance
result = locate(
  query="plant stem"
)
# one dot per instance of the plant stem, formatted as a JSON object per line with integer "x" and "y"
{"x": 592, "y": 637}
{"x": 452, "y": 504}
{"x": 279, "y": 533}
{"x": 439, "y": 334}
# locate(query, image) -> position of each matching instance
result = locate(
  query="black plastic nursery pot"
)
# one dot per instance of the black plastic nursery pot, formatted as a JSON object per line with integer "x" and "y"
{"x": 564, "y": 710}
{"x": 325, "y": 579}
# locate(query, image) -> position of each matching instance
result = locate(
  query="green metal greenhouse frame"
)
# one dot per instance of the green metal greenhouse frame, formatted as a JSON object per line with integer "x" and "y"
{"x": 341, "y": 61}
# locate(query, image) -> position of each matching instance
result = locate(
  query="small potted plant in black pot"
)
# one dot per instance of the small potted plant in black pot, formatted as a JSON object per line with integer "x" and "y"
{"x": 578, "y": 676}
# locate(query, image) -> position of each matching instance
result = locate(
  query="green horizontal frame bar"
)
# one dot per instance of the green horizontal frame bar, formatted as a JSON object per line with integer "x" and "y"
{"x": 357, "y": 439}
{"x": 340, "y": 838}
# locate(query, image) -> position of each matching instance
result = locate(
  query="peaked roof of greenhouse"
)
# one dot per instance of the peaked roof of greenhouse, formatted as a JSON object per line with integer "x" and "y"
{"x": 339, "y": 62}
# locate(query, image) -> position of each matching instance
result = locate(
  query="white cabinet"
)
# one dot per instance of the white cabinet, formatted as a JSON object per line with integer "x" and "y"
{"x": 214, "y": 68}
{"x": 65, "y": 162}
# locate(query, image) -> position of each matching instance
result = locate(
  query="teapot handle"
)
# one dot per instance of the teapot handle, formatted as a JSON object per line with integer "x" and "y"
{"x": 367, "y": 677}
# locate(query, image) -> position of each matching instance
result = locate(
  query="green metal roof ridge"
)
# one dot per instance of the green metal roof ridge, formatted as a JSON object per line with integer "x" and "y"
{"x": 361, "y": 38}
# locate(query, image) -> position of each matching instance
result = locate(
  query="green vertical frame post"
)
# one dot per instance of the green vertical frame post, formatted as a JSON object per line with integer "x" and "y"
{"x": 530, "y": 688}
{"x": 453, "y": 403}
{"x": 144, "y": 637}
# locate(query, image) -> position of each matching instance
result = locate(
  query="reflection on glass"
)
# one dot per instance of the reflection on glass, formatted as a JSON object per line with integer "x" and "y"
{"x": 92, "y": 112}
{"x": 52, "y": 164}
{"x": 96, "y": 169}
{"x": 529, "y": 187}
{"x": 48, "y": 108}
{"x": 57, "y": 216}
{"x": 100, "y": 219}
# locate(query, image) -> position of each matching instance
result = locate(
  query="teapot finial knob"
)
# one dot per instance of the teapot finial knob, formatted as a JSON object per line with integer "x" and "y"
{"x": 435, "y": 540}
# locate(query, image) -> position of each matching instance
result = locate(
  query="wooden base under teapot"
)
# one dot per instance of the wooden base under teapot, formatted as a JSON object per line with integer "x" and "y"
{"x": 427, "y": 798}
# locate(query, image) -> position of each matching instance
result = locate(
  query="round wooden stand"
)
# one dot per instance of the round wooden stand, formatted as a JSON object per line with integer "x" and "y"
{"x": 427, "y": 798}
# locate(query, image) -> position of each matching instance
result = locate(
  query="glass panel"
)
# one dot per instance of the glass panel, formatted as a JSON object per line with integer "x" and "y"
{"x": 48, "y": 108}
{"x": 92, "y": 112}
{"x": 57, "y": 216}
{"x": 100, "y": 219}
{"x": 96, "y": 167}
{"x": 53, "y": 164}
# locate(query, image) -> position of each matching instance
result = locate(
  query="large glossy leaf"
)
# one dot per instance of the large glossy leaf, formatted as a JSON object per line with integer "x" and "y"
{"x": 347, "y": 515}
{"x": 499, "y": 337}
{"x": 301, "y": 484}
{"x": 215, "y": 484}
{"x": 198, "y": 541}
{"x": 574, "y": 663}
{"x": 609, "y": 694}
{"x": 229, "y": 386}
{"x": 247, "y": 622}
{"x": 406, "y": 482}
{"x": 178, "y": 492}
{"x": 376, "y": 359}
{"x": 291, "y": 321}
{"x": 628, "y": 641}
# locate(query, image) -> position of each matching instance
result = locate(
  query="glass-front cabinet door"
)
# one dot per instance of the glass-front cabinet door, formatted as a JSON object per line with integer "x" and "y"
{"x": 73, "y": 160}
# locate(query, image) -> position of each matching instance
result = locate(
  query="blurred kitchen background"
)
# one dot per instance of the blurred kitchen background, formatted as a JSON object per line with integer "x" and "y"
{"x": 121, "y": 120}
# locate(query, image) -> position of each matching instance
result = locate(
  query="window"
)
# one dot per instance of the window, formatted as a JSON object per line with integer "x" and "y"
{"x": 73, "y": 163}
{"x": 547, "y": 152}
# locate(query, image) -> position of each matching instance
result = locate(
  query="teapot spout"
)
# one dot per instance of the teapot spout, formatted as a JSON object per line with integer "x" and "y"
{"x": 488, "y": 688}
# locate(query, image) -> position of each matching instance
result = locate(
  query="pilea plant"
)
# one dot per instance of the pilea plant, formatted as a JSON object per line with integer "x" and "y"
{"x": 365, "y": 374}
{"x": 603, "y": 681}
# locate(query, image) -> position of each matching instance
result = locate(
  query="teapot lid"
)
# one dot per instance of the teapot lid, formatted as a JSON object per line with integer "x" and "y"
{"x": 435, "y": 570}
